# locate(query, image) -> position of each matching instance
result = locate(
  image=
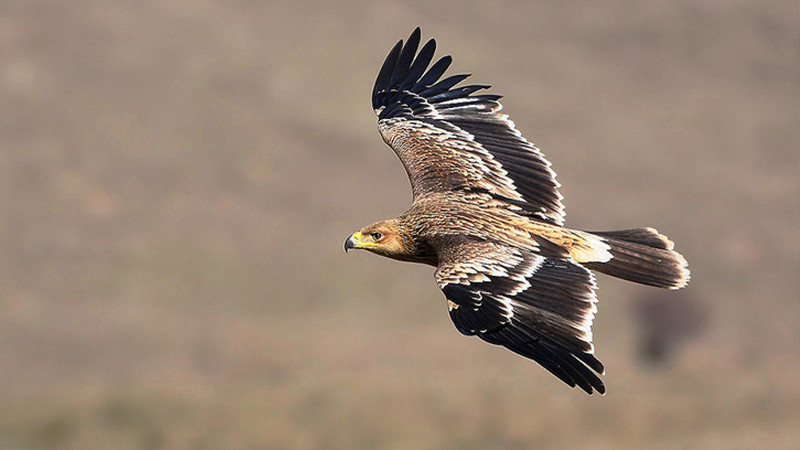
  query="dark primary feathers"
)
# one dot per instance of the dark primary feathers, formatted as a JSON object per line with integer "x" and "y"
{"x": 539, "y": 307}
{"x": 487, "y": 213}
{"x": 467, "y": 143}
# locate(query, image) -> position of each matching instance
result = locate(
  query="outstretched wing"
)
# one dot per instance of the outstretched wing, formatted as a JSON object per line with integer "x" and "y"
{"x": 449, "y": 138}
{"x": 539, "y": 307}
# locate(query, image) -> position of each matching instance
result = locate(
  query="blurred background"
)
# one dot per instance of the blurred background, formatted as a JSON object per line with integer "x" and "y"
{"x": 177, "y": 180}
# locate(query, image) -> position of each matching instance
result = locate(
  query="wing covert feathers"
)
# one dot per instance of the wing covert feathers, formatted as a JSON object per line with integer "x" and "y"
{"x": 541, "y": 308}
{"x": 454, "y": 138}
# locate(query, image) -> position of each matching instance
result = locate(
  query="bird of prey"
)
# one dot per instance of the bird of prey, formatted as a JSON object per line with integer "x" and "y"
{"x": 486, "y": 212}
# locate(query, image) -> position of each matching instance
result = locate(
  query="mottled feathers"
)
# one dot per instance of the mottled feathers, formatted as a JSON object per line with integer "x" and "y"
{"x": 455, "y": 138}
{"x": 487, "y": 213}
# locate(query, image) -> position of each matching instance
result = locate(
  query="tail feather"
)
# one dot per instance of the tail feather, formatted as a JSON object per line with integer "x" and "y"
{"x": 642, "y": 255}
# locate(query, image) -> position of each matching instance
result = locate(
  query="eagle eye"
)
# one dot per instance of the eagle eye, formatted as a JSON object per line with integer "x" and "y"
{"x": 376, "y": 236}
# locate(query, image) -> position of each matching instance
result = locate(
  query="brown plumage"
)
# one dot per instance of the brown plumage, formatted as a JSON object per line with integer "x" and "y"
{"x": 488, "y": 215}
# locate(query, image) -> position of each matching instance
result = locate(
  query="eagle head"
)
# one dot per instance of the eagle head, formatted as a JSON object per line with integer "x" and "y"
{"x": 382, "y": 238}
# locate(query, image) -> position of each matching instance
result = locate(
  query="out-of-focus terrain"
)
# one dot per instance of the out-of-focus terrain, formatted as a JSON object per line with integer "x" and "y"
{"x": 177, "y": 180}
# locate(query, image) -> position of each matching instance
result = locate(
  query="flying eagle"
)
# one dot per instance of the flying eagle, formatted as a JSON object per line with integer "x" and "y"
{"x": 487, "y": 213}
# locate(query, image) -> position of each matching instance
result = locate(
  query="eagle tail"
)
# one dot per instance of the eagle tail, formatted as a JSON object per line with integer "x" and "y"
{"x": 642, "y": 255}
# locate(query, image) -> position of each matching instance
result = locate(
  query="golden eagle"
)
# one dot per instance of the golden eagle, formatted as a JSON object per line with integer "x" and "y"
{"x": 488, "y": 215}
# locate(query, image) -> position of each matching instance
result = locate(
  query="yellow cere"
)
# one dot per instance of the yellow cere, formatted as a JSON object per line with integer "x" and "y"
{"x": 359, "y": 244}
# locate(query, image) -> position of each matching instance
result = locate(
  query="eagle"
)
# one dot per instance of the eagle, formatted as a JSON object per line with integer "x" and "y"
{"x": 487, "y": 214}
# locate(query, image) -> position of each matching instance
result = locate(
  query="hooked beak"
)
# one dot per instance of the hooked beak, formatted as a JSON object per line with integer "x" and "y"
{"x": 354, "y": 241}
